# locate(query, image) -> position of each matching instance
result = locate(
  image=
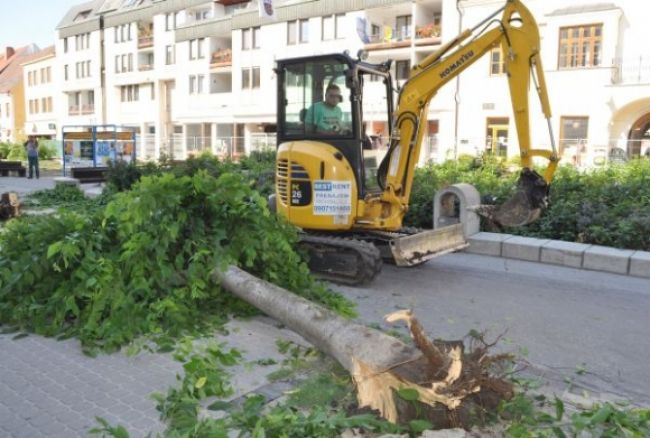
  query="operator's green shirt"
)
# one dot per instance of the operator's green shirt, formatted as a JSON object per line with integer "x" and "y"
{"x": 324, "y": 117}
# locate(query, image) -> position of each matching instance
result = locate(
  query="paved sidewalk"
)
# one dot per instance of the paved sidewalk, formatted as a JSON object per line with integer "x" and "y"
{"x": 48, "y": 388}
{"x": 24, "y": 186}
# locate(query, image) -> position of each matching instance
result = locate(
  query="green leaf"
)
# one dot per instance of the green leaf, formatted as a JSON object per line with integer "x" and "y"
{"x": 559, "y": 409}
{"x": 220, "y": 406}
{"x": 408, "y": 394}
{"x": 200, "y": 382}
{"x": 54, "y": 249}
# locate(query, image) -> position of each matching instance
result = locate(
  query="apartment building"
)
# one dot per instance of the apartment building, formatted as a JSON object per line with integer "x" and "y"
{"x": 42, "y": 89}
{"x": 191, "y": 75}
{"x": 12, "y": 93}
{"x": 79, "y": 63}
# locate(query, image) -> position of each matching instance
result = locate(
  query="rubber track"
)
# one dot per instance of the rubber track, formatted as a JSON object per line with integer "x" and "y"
{"x": 368, "y": 258}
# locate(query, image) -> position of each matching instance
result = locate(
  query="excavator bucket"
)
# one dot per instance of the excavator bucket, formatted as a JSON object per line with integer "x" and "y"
{"x": 414, "y": 249}
{"x": 526, "y": 204}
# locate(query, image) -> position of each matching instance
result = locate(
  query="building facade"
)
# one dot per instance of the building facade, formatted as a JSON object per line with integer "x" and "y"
{"x": 193, "y": 75}
{"x": 12, "y": 93}
{"x": 42, "y": 88}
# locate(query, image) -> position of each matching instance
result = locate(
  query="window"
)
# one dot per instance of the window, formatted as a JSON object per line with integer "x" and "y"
{"x": 257, "y": 31}
{"x": 316, "y": 100}
{"x": 36, "y": 106}
{"x": 65, "y": 72}
{"x": 340, "y": 26}
{"x": 48, "y": 74}
{"x": 245, "y": 78}
{"x": 292, "y": 30}
{"x": 117, "y": 64}
{"x": 256, "y": 77}
{"x": 580, "y": 46}
{"x": 169, "y": 22}
{"x": 573, "y": 133}
{"x": 201, "y": 48}
{"x": 44, "y": 105}
{"x": 192, "y": 84}
{"x": 128, "y": 93}
{"x": 49, "y": 104}
{"x": 130, "y": 61}
{"x": 29, "y": 78}
{"x": 403, "y": 26}
{"x": 304, "y": 31}
{"x": 497, "y": 62}
{"x": 82, "y": 15}
{"x": 192, "y": 44}
{"x": 327, "y": 28}
{"x": 246, "y": 39}
{"x": 199, "y": 86}
{"x": 31, "y": 106}
{"x": 402, "y": 69}
{"x": 65, "y": 45}
{"x": 169, "y": 55}
{"x": 375, "y": 33}
{"x": 7, "y": 111}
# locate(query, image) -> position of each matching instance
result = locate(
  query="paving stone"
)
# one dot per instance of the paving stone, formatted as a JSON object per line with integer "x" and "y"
{"x": 487, "y": 243}
{"x": 562, "y": 253}
{"x": 603, "y": 258}
{"x": 523, "y": 248}
{"x": 640, "y": 264}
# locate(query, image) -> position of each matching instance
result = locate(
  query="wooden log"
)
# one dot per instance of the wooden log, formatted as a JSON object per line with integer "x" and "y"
{"x": 450, "y": 390}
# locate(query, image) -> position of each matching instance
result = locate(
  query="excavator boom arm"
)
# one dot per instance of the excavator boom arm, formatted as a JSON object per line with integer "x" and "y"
{"x": 517, "y": 33}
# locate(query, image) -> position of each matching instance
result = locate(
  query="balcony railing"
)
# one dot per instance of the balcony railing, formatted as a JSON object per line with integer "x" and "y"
{"x": 145, "y": 41}
{"x": 74, "y": 110}
{"x": 221, "y": 58}
{"x": 88, "y": 109}
{"x": 631, "y": 70}
{"x": 145, "y": 67}
{"x": 390, "y": 38}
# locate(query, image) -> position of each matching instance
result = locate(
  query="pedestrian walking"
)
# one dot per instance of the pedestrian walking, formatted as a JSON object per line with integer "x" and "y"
{"x": 32, "y": 156}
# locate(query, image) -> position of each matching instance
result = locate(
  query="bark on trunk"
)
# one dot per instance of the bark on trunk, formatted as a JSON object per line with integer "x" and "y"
{"x": 451, "y": 386}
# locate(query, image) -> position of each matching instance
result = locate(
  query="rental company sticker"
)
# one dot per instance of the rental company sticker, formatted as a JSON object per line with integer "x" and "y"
{"x": 332, "y": 198}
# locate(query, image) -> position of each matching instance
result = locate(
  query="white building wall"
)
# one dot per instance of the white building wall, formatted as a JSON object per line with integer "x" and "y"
{"x": 43, "y": 122}
{"x": 75, "y": 84}
{"x": 7, "y": 133}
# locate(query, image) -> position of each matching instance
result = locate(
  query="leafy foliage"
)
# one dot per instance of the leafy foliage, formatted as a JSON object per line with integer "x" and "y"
{"x": 59, "y": 196}
{"x": 607, "y": 206}
{"x": 538, "y": 416}
{"x": 142, "y": 264}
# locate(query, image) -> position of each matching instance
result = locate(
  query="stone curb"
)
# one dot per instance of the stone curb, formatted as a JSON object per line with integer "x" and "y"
{"x": 556, "y": 252}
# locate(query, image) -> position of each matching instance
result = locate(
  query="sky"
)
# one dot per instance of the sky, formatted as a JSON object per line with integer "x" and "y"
{"x": 24, "y": 22}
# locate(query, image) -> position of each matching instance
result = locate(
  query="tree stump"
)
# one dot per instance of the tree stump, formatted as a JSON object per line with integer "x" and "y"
{"x": 9, "y": 205}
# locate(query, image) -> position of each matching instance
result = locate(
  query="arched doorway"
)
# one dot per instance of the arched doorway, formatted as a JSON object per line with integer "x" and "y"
{"x": 638, "y": 140}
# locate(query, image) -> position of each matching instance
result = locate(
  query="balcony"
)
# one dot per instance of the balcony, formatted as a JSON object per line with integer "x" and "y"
{"x": 221, "y": 58}
{"x": 145, "y": 35}
{"x": 74, "y": 110}
{"x": 428, "y": 34}
{"x": 88, "y": 109}
{"x": 145, "y": 67}
{"x": 145, "y": 41}
{"x": 631, "y": 71}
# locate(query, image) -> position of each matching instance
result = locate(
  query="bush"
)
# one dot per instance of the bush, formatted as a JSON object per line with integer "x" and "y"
{"x": 4, "y": 150}
{"x": 17, "y": 152}
{"x": 48, "y": 149}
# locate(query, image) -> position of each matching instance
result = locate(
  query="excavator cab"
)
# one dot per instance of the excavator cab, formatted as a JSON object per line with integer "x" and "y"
{"x": 320, "y": 99}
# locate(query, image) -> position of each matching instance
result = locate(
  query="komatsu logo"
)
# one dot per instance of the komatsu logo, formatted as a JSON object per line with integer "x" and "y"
{"x": 456, "y": 64}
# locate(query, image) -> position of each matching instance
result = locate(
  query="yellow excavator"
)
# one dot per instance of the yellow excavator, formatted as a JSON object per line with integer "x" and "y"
{"x": 349, "y": 225}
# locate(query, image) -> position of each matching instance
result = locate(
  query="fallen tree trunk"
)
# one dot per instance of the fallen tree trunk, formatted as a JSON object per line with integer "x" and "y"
{"x": 453, "y": 388}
